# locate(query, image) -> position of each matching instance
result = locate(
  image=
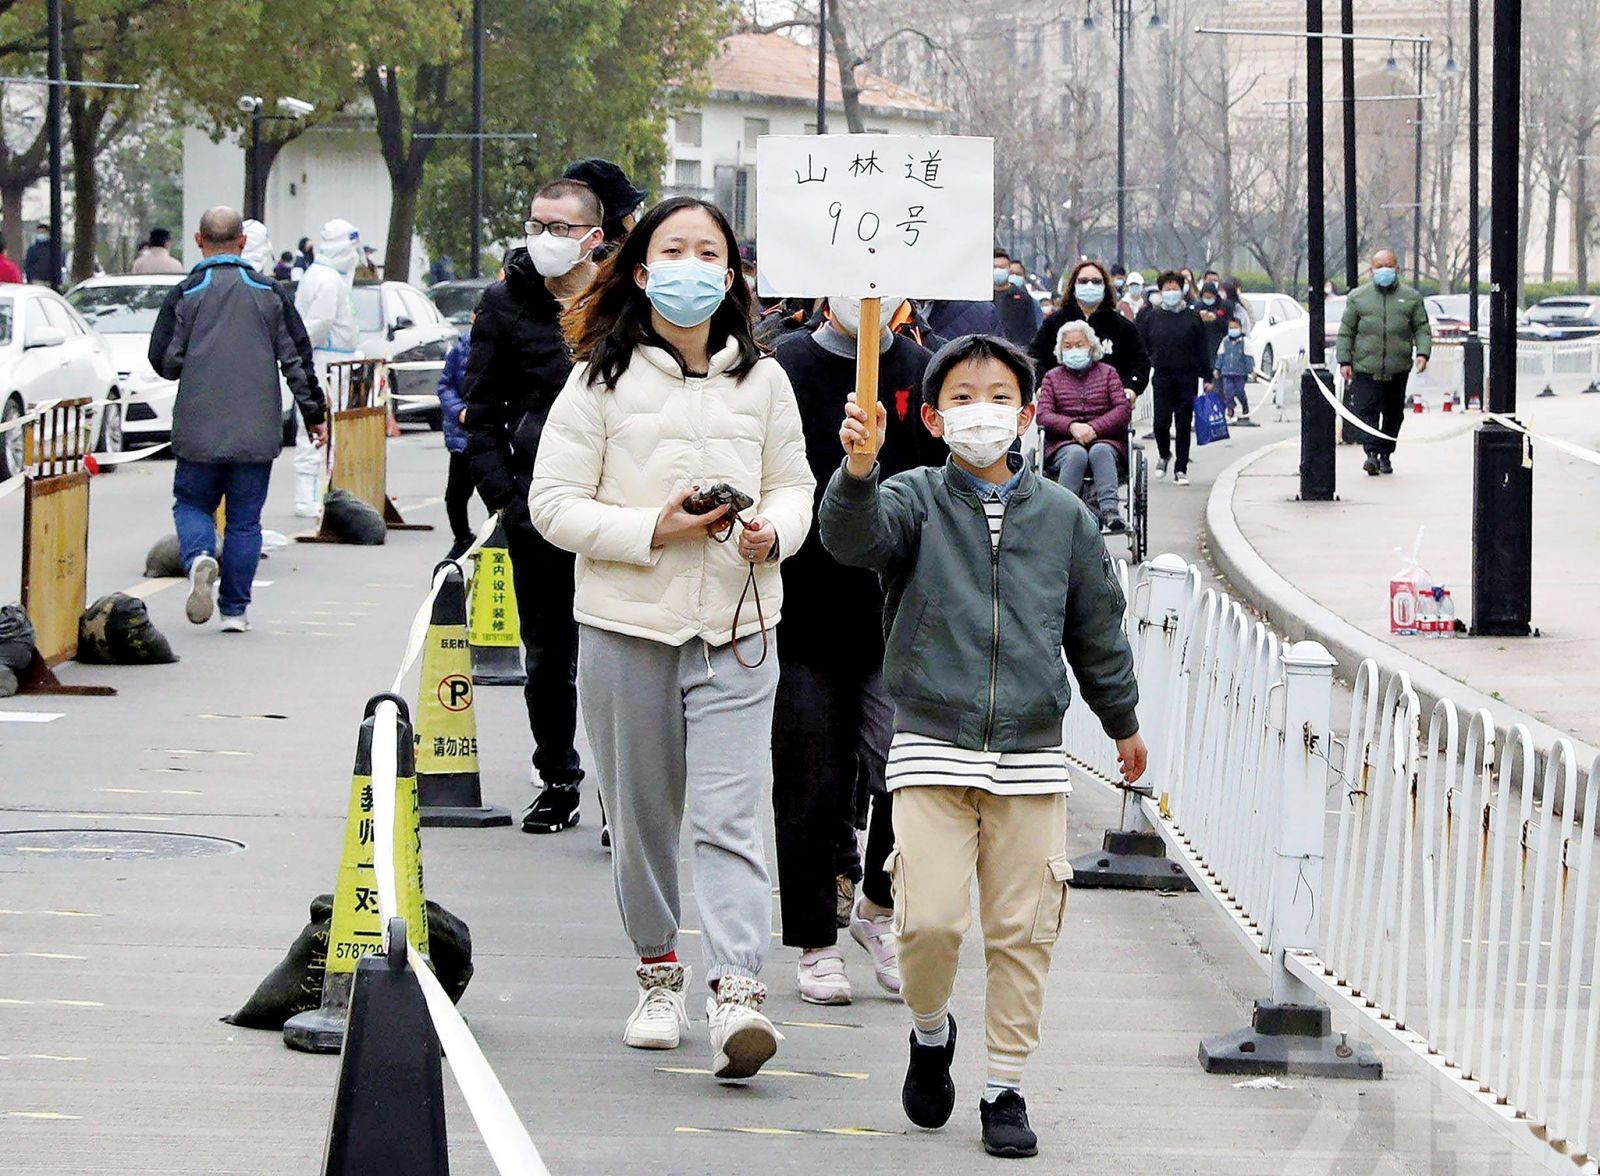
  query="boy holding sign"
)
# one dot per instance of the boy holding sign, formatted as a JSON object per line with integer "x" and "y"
{"x": 977, "y": 616}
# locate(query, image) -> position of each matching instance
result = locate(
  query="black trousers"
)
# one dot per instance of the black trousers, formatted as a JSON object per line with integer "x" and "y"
{"x": 543, "y": 575}
{"x": 457, "y": 495}
{"x": 830, "y": 729}
{"x": 1381, "y": 403}
{"x": 1174, "y": 407}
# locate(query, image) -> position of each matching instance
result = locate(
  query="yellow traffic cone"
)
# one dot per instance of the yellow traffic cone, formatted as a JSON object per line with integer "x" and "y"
{"x": 448, "y": 787}
{"x": 357, "y": 927}
{"x": 494, "y": 634}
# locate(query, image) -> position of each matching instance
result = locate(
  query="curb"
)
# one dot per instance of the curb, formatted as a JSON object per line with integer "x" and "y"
{"x": 1296, "y": 617}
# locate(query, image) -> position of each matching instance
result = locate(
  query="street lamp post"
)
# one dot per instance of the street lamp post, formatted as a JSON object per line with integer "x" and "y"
{"x": 255, "y": 191}
{"x": 1317, "y": 478}
{"x": 822, "y": 67}
{"x": 1347, "y": 72}
{"x": 1416, "y": 187}
{"x": 1121, "y": 23}
{"x": 477, "y": 138}
{"x": 1472, "y": 355}
{"x": 53, "y": 115}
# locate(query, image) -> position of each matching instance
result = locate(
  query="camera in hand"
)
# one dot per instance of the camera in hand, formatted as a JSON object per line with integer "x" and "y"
{"x": 703, "y": 499}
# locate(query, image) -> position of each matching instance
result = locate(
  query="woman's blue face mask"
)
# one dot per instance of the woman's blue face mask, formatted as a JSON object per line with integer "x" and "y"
{"x": 686, "y": 291}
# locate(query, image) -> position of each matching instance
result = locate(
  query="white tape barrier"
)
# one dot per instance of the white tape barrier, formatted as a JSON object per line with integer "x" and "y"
{"x": 420, "y": 622}
{"x": 1566, "y": 447}
{"x": 123, "y": 458}
{"x": 44, "y": 406}
{"x": 510, "y": 1146}
{"x": 1343, "y": 412}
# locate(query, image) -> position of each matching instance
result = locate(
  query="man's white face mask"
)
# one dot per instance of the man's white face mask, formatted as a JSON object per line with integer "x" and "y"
{"x": 847, "y": 313}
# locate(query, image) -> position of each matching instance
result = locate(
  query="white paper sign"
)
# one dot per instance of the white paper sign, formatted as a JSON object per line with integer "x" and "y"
{"x": 902, "y": 216}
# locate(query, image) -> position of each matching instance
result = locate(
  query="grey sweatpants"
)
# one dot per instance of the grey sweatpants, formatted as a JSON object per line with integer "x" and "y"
{"x": 672, "y": 725}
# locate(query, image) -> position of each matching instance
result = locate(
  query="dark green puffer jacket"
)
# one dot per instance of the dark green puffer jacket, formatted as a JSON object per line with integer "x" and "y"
{"x": 1381, "y": 328}
{"x": 974, "y": 634}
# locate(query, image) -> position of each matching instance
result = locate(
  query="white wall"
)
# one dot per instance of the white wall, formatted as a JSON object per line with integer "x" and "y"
{"x": 320, "y": 175}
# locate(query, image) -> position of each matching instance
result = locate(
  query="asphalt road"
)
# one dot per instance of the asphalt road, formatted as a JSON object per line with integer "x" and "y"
{"x": 113, "y": 971}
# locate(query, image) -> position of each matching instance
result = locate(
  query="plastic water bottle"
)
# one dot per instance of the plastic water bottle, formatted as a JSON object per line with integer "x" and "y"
{"x": 1447, "y": 614}
{"x": 1428, "y": 614}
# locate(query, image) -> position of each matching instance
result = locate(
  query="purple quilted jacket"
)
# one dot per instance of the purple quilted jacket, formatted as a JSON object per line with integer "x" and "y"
{"x": 1094, "y": 396}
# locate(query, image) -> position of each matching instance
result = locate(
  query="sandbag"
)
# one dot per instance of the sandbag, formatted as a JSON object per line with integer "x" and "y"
{"x": 116, "y": 630}
{"x": 164, "y": 559}
{"x": 349, "y": 520}
{"x": 295, "y": 985}
{"x": 17, "y": 638}
{"x": 8, "y": 682}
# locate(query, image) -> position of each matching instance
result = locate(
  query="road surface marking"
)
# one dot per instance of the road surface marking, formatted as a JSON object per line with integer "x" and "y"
{"x": 771, "y": 1073}
{"x": 819, "y": 1025}
{"x": 40, "y": 1115}
{"x": 28, "y": 717}
{"x": 40, "y": 955}
{"x": 61, "y": 914}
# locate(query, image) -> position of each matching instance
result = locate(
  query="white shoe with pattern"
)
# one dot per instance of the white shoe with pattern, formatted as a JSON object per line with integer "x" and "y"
{"x": 742, "y": 1038}
{"x": 659, "y": 1017}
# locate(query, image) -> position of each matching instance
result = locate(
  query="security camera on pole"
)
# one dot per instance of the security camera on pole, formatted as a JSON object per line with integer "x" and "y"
{"x": 293, "y": 109}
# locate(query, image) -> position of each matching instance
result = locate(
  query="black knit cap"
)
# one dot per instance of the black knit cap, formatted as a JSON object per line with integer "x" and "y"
{"x": 618, "y": 195}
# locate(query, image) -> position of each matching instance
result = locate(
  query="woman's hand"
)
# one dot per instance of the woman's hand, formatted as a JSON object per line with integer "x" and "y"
{"x": 1081, "y": 432}
{"x": 676, "y": 525}
{"x": 756, "y": 540}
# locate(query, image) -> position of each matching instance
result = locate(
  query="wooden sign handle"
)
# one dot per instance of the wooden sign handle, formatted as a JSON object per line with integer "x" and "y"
{"x": 867, "y": 360}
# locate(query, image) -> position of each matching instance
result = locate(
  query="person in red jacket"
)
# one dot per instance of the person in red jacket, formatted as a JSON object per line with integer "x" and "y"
{"x": 1084, "y": 412}
{"x": 8, "y": 268}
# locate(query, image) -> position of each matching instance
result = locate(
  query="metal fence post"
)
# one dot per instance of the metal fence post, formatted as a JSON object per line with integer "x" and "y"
{"x": 1133, "y": 856}
{"x": 1292, "y": 1032}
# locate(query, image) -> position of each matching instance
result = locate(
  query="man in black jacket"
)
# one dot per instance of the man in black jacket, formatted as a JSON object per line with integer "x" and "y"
{"x": 517, "y": 365}
{"x": 1175, "y": 338}
{"x": 832, "y": 724}
{"x": 1089, "y": 296}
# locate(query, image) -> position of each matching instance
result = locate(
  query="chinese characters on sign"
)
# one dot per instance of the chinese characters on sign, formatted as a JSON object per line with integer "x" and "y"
{"x": 493, "y": 607}
{"x": 875, "y": 216}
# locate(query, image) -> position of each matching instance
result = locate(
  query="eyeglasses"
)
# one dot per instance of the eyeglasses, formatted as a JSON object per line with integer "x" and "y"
{"x": 534, "y": 228}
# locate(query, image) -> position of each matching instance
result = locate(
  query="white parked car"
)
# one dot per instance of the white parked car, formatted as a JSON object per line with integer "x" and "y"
{"x": 48, "y": 352}
{"x": 123, "y": 309}
{"x": 1279, "y": 329}
{"x": 398, "y": 323}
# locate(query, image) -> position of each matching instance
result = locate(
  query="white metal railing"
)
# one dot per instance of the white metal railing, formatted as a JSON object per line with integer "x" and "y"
{"x": 1461, "y": 923}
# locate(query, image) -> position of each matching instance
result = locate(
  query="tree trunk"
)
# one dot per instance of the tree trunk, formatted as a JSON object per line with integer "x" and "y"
{"x": 848, "y": 86}
{"x": 1580, "y": 212}
{"x": 270, "y": 150}
{"x": 13, "y": 184}
{"x": 1524, "y": 221}
{"x": 85, "y": 116}
{"x": 405, "y": 161}
{"x": 1225, "y": 224}
{"x": 1552, "y": 200}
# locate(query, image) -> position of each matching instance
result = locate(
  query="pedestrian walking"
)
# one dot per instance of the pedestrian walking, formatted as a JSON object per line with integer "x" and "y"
{"x": 1233, "y": 298}
{"x": 1084, "y": 412}
{"x": 305, "y": 254}
{"x": 9, "y": 273}
{"x": 517, "y": 363}
{"x": 1213, "y": 312}
{"x": 620, "y": 198}
{"x": 257, "y": 247}
{"x": 323, "y": 300}
{"x": 976, "y": 762}
{"x": 443, "y": 269}
{"x": 157, "y": 256}
{"x": 1016, "y": 312}
{"x": 1090, "y": 298}
{"x": 225, "y": 333}
{"x": 833, "y": 718}
{"x": 42, "y": 263}
{"x": 458, "y": 484}
{"x": 1175, "y": 338}
{"x": 671, "y": 408}
{"x": 1132, "y": 300}
{"x": 283, "y": 269}
{"x": 1232, "y": 369}
{"x": 1384, "y": 333}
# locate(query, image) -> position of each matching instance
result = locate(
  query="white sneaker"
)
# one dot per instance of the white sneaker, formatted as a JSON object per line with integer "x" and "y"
{"x": 823, "y": 980}
{"x": 659, "y": 1017}
{"x": 236, "y": 624}
{"x": 1161, "y": 468}
{"x": 203, "y": 574}
{"x": 741, "y": 1036}
{"x": 1180, "y": 479}
{"x": 877, "y": 936}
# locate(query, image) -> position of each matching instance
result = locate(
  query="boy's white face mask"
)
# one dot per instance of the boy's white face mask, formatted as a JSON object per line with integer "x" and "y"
{"x": 980, "y": 434}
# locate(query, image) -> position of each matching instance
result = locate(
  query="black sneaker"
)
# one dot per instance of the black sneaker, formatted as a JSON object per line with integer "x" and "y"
{"x": 554, "y": 809}
{"x": 1371, "y": 465}
{"x": 1114, "y": 522}
{"x": 1385, "y": 466}
{"x": 1005, "y": 1127}
{"x": 929, "y": 1095}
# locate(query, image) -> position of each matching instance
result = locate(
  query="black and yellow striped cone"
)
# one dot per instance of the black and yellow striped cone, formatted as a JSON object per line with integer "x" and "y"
{"x": 494, "y": 633}
{"x": 356, "y": 930}
{"x": 448, "y": 788}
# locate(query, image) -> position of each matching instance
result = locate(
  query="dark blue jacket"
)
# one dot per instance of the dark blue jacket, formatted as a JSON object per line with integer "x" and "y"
{"x": 954, "y": 319}
{"x": 450, "y": 402}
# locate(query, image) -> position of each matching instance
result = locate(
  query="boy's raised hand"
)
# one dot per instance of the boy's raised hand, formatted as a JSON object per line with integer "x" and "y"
{"x": 1131, "y": 755}
{"x": 860, "y": 445}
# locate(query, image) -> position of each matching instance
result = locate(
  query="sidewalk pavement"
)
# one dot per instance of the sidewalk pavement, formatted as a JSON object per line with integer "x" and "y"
{"x": 113, "y": 972}
{"x": 1321, "y": 570}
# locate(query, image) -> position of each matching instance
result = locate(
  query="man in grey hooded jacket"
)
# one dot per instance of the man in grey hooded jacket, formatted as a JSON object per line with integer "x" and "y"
{"x": 224, "y": 333}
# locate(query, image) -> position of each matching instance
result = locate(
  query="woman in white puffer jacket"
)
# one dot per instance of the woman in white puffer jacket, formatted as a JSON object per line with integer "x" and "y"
{"x": 674, "y": 674}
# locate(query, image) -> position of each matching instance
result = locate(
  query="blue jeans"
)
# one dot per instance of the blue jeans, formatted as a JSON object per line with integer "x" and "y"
{"x": 198, "y": 488}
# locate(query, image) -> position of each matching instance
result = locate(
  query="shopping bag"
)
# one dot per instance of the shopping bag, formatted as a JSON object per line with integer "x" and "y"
{"x": 1210, "y": 419}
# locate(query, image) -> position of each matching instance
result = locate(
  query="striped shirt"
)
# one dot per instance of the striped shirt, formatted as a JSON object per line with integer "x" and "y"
{"x": 921, "y": 761}
{"x": 995, "y": 511}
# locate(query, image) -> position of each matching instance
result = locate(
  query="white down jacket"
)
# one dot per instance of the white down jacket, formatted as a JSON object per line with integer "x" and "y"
{"x": 610, "y": 459}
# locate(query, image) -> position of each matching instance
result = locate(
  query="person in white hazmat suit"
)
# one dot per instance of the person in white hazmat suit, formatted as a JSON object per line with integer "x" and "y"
{"x": 257, "y": 248}
{"x": 323, "y": 300}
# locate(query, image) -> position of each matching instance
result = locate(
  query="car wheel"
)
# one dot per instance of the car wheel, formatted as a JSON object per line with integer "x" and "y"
{"x": 111, "y": 438}
{"x": 11, "y": 448}
{"x": 1267, "y": 357}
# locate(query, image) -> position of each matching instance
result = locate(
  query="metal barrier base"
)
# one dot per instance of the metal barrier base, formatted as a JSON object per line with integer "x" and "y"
{"x": 1290, "y": 1039}
{"x": 1129, "y": 861}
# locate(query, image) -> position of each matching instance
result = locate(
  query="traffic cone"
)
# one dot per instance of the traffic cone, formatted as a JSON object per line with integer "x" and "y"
{"x": 388, "y": 1109}
{"x": 357, "y": 930}
{"x": 448, "y": 789}
{"x": 494, "y": 634}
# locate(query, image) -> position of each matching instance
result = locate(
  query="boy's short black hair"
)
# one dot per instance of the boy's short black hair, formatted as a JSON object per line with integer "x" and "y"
{"x": 1169, "y": 276}
{"x": 999, "y": 252}
{"x": 973, "y": 347}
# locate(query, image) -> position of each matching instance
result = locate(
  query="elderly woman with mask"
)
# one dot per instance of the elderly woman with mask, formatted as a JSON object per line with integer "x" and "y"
{"x": 1084, "y": 412}
{"x": 1088, "y": 296}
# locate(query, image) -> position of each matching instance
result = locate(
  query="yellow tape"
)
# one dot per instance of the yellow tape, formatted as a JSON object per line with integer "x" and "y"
{"x": 492, "y": 606}
{"x": 357, "y": 928}
{"x": 447, "y": 731}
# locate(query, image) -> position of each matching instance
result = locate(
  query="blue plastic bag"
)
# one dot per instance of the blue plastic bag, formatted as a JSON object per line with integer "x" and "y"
{"x": 1210, "y": 419}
